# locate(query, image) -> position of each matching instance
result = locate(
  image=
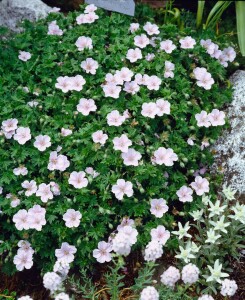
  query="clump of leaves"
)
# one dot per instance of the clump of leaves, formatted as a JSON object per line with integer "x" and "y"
{"x": 55, "y": 56}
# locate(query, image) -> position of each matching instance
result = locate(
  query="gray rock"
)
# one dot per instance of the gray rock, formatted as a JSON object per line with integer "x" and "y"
{"x": 230, "y": 147}
{"x": 122, "y": 6}
{"x": 12, "y": 12}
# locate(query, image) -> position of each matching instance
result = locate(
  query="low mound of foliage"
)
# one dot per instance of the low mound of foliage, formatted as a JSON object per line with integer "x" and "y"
{"x": 101, "y": 120}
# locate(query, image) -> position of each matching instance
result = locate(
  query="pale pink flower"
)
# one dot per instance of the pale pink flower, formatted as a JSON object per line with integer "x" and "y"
{"x": 72, "y": 218}
{"x": 230, "y": 53}
{"x": 163, "y": 107}
{"x": 63, "y": 163}
{"x": 58, "y": 162}
{"x": 122, "y": 188}
{"x": 169, "y": 68}
{"x": 44, "y": 192}
{"x": 37, "y": 210}
{"x": 223, "y": 60}
{"x": 9, "y": 125}
{"x": 185, "y": 194}
{"x": 151, "y": 29}
{"x": 150, "y": 56}
{"x": 20, "y": 171}
{"x": 92, "y": 172}
{"x": 65, "y": 253}
{"x": 125, "y": 222}
{"x": 53, "y": 161}
{"x": 126, "y": 114}
{"x": 203, "y": 119}
{"x": 153, "y": 83}
{"x": 123, "y": 75}
{"x": 160, "y": 234}
{"x": 81, "y": 19}
{"x": 130, "y": 233}
{"x": 112, "y": 90}
{"x": 167, "y": 46}
{"x": 110, "y": 78}
{"x": 122, "y": 143}
{"x": 134, "y": 27}
{"x": 102, "y": 254}
{"x": 85, "y": 106}
{"x": 99, "y": 137}
{"x": 25, "y": 246}
{"x": 21, "y": 220}
{"x": 216, "y": 117}
{"x": 22, "y": 135}
{"x": 65, "y": 132}
{"x": 23, "y": 260}
{"x": 15, "y": 202}
{"x": 165, "y": 156}
{"x": 30, "y": 186}
{"x": 36, "y": 221}
{"x": 204, "y": 79}
{"x": 24, "y": 56}
{"x": 131, "y": 87}
{"x": 9, "y": 134}
{"x": 90, "y": 8}
{"x": 138, "y": 79}
{"x": 76, "y": 83}
{"x": 190, "y": 142}
{"x": 42, "y": 142}
{"x": 78, "y": 180}
{"x": 131, "y": 157}
{"x": 200, "y": 185}
{"x": 114, "y": 118}
{"x": 213, "y": 49}
{"x": 134, "y": 54}
{"x": 90, "y": 65}
{"x": 63, "y": 83}
{"x": 88, "y": 18}
{"x": 84, "y": 42}
{"x": 55, "y": 188}
{"x": 141, "y": 41}
{"x": 149, "y": 110}
{"x": 158, "y": 207}
{"x": 54, "y": 29}
{"x": 187, "y": 43}
{"x": 204, "y": 144}
{"x": 206, "y": 43}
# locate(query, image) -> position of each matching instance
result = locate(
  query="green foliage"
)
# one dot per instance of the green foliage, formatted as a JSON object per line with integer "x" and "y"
{"x": 54, "y": 56}
{"x": 114, "y": 279}
{"x": 83, "y": 285}
{"x": 6, "y": 295}
{"x": 144, "y": 277}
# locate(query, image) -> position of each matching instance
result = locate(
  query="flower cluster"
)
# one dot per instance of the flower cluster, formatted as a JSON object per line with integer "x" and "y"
{"x": 149, "y": 293}
{"x": 100, "y": 128}
{"x": 225, "y": 56}
{"x": 24, "y": 257}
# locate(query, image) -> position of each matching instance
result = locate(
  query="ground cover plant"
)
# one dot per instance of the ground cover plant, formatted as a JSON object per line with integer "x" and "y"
{"x": 105, "y": 125}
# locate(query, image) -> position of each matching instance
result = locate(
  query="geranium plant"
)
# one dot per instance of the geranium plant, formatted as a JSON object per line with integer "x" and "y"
{"x": 103, "y": 121}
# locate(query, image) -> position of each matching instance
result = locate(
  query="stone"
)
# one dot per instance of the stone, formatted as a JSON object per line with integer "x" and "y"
{"x": 12, "y": 12}
{"x": 230, "y": 147}
{"x": 126, "y": 7}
